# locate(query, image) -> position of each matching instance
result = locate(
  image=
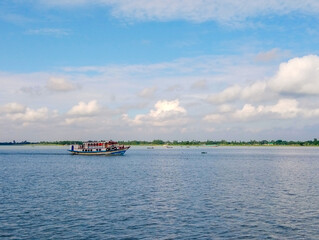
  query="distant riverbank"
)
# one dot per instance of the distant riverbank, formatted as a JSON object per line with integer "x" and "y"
{"x": 208, "y": 143}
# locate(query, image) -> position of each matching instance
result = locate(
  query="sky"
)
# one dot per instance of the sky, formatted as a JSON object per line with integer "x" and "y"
{"x": 159, "y": 69}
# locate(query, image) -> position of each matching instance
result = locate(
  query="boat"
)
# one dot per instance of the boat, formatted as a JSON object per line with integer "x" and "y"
{"x": 167, "y": 146}
{"x": 98, "y": 148}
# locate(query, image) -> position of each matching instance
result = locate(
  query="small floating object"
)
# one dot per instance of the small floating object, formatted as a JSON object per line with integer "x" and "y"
{"x": 150, "y": 147}
{"x": 204, "y": 152}
{"x": 167, "y": 146}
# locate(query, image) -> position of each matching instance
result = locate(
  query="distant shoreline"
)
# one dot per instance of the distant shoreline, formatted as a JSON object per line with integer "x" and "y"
{"x": 194, "y": 143}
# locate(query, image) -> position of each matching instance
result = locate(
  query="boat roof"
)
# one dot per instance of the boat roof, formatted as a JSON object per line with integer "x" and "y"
{"x": 109, "y": 142}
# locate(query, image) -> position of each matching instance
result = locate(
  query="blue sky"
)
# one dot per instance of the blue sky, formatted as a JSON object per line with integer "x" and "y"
{"x": 175, "y": 70}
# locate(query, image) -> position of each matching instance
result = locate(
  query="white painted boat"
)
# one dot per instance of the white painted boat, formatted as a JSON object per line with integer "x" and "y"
{"x": 99, "y": 148}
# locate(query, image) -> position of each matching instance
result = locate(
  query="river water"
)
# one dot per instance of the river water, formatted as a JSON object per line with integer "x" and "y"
{"x": 178, "y": 193}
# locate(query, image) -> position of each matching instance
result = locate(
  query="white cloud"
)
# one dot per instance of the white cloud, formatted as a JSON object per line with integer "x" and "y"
{"x": 60, "y": 85}
{"x": 80, "y": 121}
{"x": 253, "y": 100}
{"x": 49, "y": 32}
{"x": 283, "y": 109}
{"x": 247, "y": 112}
{"x": 85, "y": 109}
{"x": 229, "y": 94}
{"x": 14, "y": 18}
{"x": 12, "y": 108}
{"x": 18, "y": 112}
{"x": 310, "y": 113}
{"x": 194, "y": 10}
{"x": 255, "y": 91}
{"x": 165, "y": 113}
{"x": 166, "y": 108}
{"x": 29, "y": 115}
{"x": 297, "y": 76}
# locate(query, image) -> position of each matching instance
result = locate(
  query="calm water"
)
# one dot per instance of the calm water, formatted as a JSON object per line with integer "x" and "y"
{"x": 179, "y": 193}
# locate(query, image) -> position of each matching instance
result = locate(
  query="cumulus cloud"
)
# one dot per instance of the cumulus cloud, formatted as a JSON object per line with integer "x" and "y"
{"x": 17, "y": 112}
{"x": 85, "y": 109}
{"x": 31, "y": 115}
{"x": 255, "y": 91}
{"x": 12, "y": 108}
{"x": 248, "y": 111}
{"x": 194, "y": 10}
{"x": 60, "y": 85}
{"x": 285, "y": 108}
{"x": 297, "y": 76}
{"x": 165, "y": 113}
{"x": 275, "y": 98}
{"x": 166, "y": 108}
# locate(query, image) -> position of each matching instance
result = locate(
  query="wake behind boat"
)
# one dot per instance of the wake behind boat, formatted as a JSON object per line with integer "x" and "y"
{"x": 98, "y": 148}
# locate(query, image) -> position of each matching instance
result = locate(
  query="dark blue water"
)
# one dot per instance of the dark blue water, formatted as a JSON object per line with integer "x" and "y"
{"x": 179, "y": 193}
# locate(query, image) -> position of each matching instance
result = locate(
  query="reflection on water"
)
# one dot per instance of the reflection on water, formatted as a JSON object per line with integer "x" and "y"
{"x": 179, "y": 193}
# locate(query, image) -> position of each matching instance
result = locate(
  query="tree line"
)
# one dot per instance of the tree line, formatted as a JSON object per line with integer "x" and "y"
{"x": 313, "y": 142}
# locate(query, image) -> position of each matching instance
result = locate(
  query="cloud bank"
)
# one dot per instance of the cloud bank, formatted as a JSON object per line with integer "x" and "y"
{"x": 19, "y": 113}
{"x": 164, "y": 100}
{"x": 298, "y": 76}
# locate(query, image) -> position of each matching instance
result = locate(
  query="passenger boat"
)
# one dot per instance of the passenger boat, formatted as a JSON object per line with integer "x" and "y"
{"x": 99, "y": 148}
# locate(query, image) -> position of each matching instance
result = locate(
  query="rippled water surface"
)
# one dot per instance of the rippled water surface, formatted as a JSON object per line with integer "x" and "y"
{"x": 179, "y": 193}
